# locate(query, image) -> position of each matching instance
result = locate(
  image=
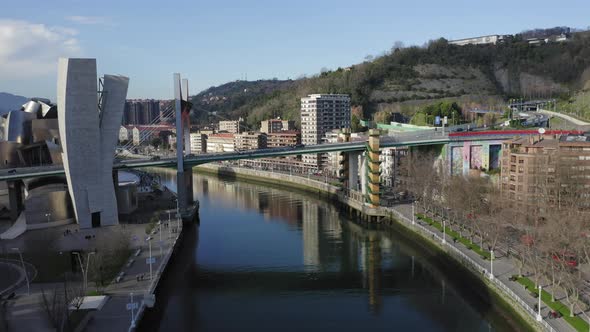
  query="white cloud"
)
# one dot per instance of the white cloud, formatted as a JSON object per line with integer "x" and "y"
{"x": 90, "y": 20}
{"x": 31, "y": 50}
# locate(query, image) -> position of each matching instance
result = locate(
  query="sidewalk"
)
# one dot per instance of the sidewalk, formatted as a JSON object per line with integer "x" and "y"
{"x": 26, "y": 312}
{"x": 566, "y": 117}
{"x": 503, "y": 269}
{"x": 114, "y": 316}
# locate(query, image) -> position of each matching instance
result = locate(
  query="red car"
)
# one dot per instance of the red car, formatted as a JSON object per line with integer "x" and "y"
{"x": 567, "y": 257}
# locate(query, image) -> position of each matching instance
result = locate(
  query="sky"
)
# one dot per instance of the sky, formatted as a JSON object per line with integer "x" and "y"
{"x": 218, "y": 41}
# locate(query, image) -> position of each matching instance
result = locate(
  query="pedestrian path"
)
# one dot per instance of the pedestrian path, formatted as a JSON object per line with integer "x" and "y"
{"x": 503, "y": 269}
{"x": 136, "y": 279}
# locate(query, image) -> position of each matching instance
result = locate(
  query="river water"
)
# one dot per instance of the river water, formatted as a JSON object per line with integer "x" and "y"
{"x": 269, "y": 259}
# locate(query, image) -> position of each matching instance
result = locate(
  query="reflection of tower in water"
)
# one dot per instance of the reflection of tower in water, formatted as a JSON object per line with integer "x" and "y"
{"x": 373, "y": 272}
{"x": 311, "y": 248}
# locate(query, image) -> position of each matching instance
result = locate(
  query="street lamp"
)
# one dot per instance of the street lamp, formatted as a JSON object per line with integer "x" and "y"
{"x": 413, "y": 212}
{"x": 24, "y": 269}
{"x": 177, "y": 217}
{"x": 149, "y": 240}
{"x": 539, "y": 318}
{"x": 84, "y": 271}
{"x": 132, "y": 306}
{"x": 48, "y": 215}
{"x": 491, "y": 264}
{"x": 444, "y": 239}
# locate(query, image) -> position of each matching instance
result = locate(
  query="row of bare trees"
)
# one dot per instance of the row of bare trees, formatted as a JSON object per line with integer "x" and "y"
{"x": 544, "y": 232}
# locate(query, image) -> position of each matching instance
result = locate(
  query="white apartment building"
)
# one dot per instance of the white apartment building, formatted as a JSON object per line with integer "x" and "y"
{"x": 491, "y": 39}
{"x": 198, "y": 143}
{"x": 321, "y": 113}
{"x": 232, "y": 127}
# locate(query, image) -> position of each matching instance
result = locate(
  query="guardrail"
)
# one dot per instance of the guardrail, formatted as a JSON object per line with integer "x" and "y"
{"x": 475, "y": 266}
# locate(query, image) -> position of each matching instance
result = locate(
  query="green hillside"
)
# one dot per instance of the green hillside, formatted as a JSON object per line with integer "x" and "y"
{"x": 407, "y": 79}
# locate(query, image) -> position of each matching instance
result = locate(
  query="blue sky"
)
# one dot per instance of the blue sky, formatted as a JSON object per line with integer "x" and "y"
{"x": 213, "y": 42}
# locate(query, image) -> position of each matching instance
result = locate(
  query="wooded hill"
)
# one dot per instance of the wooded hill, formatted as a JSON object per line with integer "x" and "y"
{"x": 406, "y": 79}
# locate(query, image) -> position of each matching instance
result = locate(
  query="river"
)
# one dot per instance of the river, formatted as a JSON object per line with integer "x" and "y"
{"x": 270, "y": 259}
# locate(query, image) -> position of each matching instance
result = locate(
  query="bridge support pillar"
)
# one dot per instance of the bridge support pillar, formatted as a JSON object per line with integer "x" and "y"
{"x": 344, "y": 161}
{"x": 353, "y": 170}
{"x": 184, "y": 182}
{"x": 371, "y": 183}
{"x": 15, "y": 198}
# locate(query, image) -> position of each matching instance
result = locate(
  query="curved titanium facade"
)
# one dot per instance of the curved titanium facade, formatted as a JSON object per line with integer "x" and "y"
{"x": 17, "y": 127}
{"x": 86, "y": 139}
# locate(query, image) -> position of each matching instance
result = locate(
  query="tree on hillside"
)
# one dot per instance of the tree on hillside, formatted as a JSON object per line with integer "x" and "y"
{"x": 428, "y": 114}
{"x": 383, "y": 117}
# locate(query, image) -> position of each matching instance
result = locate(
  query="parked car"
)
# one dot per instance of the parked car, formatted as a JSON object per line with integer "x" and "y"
{"x": 567, "y": 257}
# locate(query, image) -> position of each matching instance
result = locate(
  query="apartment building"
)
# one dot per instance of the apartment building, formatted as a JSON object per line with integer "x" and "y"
{"x": 232, "y": 127}
{"x": 537, "y": 172}
{"x": 276, "y": 125}
{"x": 198, "y": 143}
{"x": 223, "y": 142}
{"x": 283, "y": 138}
{"x": 250, "y": 141}
{"x": 321, "y": 113}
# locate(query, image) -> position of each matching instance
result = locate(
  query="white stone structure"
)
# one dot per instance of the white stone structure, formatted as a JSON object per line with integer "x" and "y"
{"x": 89, "y": 132}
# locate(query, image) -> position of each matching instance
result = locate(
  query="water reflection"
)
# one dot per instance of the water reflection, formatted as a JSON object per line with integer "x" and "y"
{"x": 269, "y": 259}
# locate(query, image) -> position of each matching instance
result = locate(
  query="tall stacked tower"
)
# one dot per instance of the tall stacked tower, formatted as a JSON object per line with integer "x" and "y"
{"x": 321, "y": 113}
{"x": 344, "y": 160}
{"x": 372, "y": 168}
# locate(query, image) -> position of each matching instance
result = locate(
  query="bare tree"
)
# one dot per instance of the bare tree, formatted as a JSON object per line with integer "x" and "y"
{"x": 57, "y": 301}
{"x": 110, "y": 256}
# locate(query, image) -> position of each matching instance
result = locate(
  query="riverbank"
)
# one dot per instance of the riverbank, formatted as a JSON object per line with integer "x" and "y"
{"x": 452, "y": 259}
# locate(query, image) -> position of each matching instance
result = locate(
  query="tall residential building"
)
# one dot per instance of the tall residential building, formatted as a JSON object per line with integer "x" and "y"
{"x": 141, "y": 112}
{"x": 250, "y": 141}
{"x": 198, "y": 143}
{"x": 537, "y": 173}
{"x": 276, "y": 125}
{"x": 319, "y": 114}
{"x": 232, "y": 127}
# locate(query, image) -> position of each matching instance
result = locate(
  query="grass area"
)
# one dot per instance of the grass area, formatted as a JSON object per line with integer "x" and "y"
{"x": 94, "y": 293}
{"x": 576, "y": 322}
{"x": 470, "y": 245}
{"x": 559, "y": 123}
{"x": 150, "y": 227}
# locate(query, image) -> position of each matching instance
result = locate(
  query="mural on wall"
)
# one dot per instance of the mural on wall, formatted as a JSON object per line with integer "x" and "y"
{"x": 457, "y": 160}
{"x": 495, "y": 156}
{"x": 476, "y": 157}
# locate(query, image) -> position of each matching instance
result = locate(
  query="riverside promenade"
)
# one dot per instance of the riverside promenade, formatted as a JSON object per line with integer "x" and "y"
{"x": 25, "y": 312}
{"x": 512, "y": 292}
{"x": 139, "y": 279}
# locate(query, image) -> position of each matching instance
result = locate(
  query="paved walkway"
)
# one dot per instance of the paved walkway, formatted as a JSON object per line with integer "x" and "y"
{"x": 566, "y": 117}
{"x": 26, "y": 313}
{"x": 114, "y": 316}
{"x": 503, "y": 270}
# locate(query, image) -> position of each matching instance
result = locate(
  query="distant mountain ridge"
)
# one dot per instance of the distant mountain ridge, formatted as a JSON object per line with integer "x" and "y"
{"x": 10, "y": 102}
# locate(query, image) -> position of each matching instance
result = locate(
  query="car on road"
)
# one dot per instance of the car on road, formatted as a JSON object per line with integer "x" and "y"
{"x": 155, "y": 158}
{"x": 12, "y": 171}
